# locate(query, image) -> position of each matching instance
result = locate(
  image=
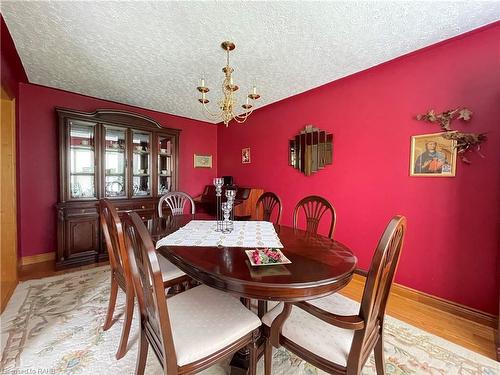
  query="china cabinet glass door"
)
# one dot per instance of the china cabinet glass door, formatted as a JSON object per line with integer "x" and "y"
{"x": 165, "y": 145}
{"x": 115, "y": 181}
{"x": 82, "y": 160}
{"x": 141, "y": 163}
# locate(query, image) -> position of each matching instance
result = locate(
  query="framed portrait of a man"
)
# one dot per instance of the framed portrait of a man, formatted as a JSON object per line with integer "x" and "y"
{"x": 432, "y": 156}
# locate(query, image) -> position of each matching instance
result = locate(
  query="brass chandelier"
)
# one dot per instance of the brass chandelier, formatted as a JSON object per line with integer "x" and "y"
{"x": 228, "y": 103}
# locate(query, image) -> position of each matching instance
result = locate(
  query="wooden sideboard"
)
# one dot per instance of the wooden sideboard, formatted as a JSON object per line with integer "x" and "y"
{"x": 122, "y": 156}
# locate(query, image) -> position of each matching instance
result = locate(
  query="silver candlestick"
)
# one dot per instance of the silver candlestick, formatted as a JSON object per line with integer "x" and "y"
{"x": 229, "y": 212}
{"x": 227, "y": 224}
{"x": 218, "y": 183}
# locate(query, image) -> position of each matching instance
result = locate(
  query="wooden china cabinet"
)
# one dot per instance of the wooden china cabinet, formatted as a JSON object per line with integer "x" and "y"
{"x": 122, "y": 156}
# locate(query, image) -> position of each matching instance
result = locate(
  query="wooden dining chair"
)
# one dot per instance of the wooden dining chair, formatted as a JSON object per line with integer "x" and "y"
{"x": 269, "y": 201}
{"x": 175, "y": 200}
{"x": 334, "y": 333}
{"x": 191, "y": 330}
{"x": 121, "y": 276}
{"x": 314, "y": 208}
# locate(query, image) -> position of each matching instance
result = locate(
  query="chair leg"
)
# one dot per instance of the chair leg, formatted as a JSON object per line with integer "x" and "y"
{"x": 252, "y": 361}
{"x": 379, "y": 357}
{"x": 142, "y": 354}
{"x": 261, "y": 308}
{"x": 129, "y": 313}
{"x": 111, "y": 304}
{"x": 177, "y": 288}
{"x": 268, "y": 357}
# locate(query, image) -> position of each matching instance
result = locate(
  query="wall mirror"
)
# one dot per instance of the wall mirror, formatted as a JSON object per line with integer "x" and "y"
{"x": 310, "y": 150}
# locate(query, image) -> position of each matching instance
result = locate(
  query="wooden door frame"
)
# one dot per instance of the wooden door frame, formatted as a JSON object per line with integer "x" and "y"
{"x": 9, "y": 276}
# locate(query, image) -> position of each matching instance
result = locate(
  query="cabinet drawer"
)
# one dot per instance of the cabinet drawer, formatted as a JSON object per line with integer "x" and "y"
{"x": 134, "y": 206}
{"x": 143, "y": 214}
{"x": 90, "y": 211}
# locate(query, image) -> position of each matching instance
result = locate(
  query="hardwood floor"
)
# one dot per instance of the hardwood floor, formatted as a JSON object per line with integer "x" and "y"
{"x": 471, "y": 335}
{"x": 46, "y": 269}
{"x": 474, "y": 336}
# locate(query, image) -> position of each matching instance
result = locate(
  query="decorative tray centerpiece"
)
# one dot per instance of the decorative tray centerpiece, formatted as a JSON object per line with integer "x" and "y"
{"x": 266, "y": 257}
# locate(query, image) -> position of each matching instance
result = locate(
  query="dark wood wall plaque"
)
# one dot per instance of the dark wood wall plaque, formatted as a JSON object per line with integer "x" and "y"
{"x": 310, "y": 150}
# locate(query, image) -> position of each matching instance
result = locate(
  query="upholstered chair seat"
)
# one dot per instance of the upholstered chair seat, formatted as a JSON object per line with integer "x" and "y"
{"x": 333, "y": 333}
{"x": 121, "y": 277}
{"x": 168, "y": 270}
{"x": 205, "y": 320}
{"x": 190, "y": 331}
{"x": 315, "y": 335}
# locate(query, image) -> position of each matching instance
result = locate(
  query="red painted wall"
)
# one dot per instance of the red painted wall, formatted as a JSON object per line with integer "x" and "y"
{"x": 11, "y": 69}
{"x": 38, "y": 158}
{"x": 451, "y": 246}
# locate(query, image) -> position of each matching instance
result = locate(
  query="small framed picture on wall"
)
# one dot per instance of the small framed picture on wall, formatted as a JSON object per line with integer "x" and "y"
{"x": 432, "y": 156}
{"x": 202, "y": 161}
{"x": 245, "y": 155}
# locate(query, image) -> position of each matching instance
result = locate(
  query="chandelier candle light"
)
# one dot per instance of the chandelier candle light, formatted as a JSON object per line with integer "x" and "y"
{"x": 228, "y": 104}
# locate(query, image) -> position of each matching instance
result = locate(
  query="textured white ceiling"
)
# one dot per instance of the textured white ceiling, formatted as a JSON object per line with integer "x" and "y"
{"x": 152, "y": 54}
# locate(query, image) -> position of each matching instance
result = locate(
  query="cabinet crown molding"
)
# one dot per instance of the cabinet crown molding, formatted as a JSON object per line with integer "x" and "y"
{"x": 114, "y": 116}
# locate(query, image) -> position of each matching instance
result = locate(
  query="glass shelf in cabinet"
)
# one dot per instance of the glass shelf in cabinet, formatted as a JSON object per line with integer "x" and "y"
{"x": 82, "y": 147}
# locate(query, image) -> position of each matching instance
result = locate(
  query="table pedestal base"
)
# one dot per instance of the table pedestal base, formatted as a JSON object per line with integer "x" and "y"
{"x": 240, "y": 362}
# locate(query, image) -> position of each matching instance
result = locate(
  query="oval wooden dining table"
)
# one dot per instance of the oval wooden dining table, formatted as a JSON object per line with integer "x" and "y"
{"x": 319, "y": 266}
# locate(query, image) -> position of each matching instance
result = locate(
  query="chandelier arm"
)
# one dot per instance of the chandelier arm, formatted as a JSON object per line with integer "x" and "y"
{"x": 246, "y": 114}
{"x": 215, "y": 115}
{"x": 240, "y": 119}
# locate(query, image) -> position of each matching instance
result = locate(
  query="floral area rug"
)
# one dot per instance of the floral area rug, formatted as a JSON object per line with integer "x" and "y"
{"x": 54, "y": 326}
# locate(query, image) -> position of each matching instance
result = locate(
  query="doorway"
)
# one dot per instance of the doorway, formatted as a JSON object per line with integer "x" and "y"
{"x": 8, "y": 222}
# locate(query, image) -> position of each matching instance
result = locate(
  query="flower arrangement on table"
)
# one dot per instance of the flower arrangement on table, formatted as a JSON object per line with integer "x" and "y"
{"x": 266, "y": 256}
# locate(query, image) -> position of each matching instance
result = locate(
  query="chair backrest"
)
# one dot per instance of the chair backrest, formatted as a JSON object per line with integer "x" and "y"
{"x": 148, "y": 283}
{"x": 115, "y": 240}
{"x": 314, "y": 208}
{"x": 269, "y": 201}
{"x": 377, "y": 288}
{"x": 176, "y": 201}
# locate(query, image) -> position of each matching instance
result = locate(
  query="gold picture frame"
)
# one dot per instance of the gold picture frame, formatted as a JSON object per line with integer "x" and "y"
{"x": 245, "y": 155}
{"x": 432, "y": 155}
{"x": 202, "y": 161}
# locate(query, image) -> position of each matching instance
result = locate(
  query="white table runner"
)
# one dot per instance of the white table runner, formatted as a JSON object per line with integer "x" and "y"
{"x": 249, "y": 234}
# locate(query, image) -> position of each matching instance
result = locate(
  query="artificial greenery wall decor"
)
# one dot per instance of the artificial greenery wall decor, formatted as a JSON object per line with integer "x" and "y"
{"x": 465, "y": 141}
